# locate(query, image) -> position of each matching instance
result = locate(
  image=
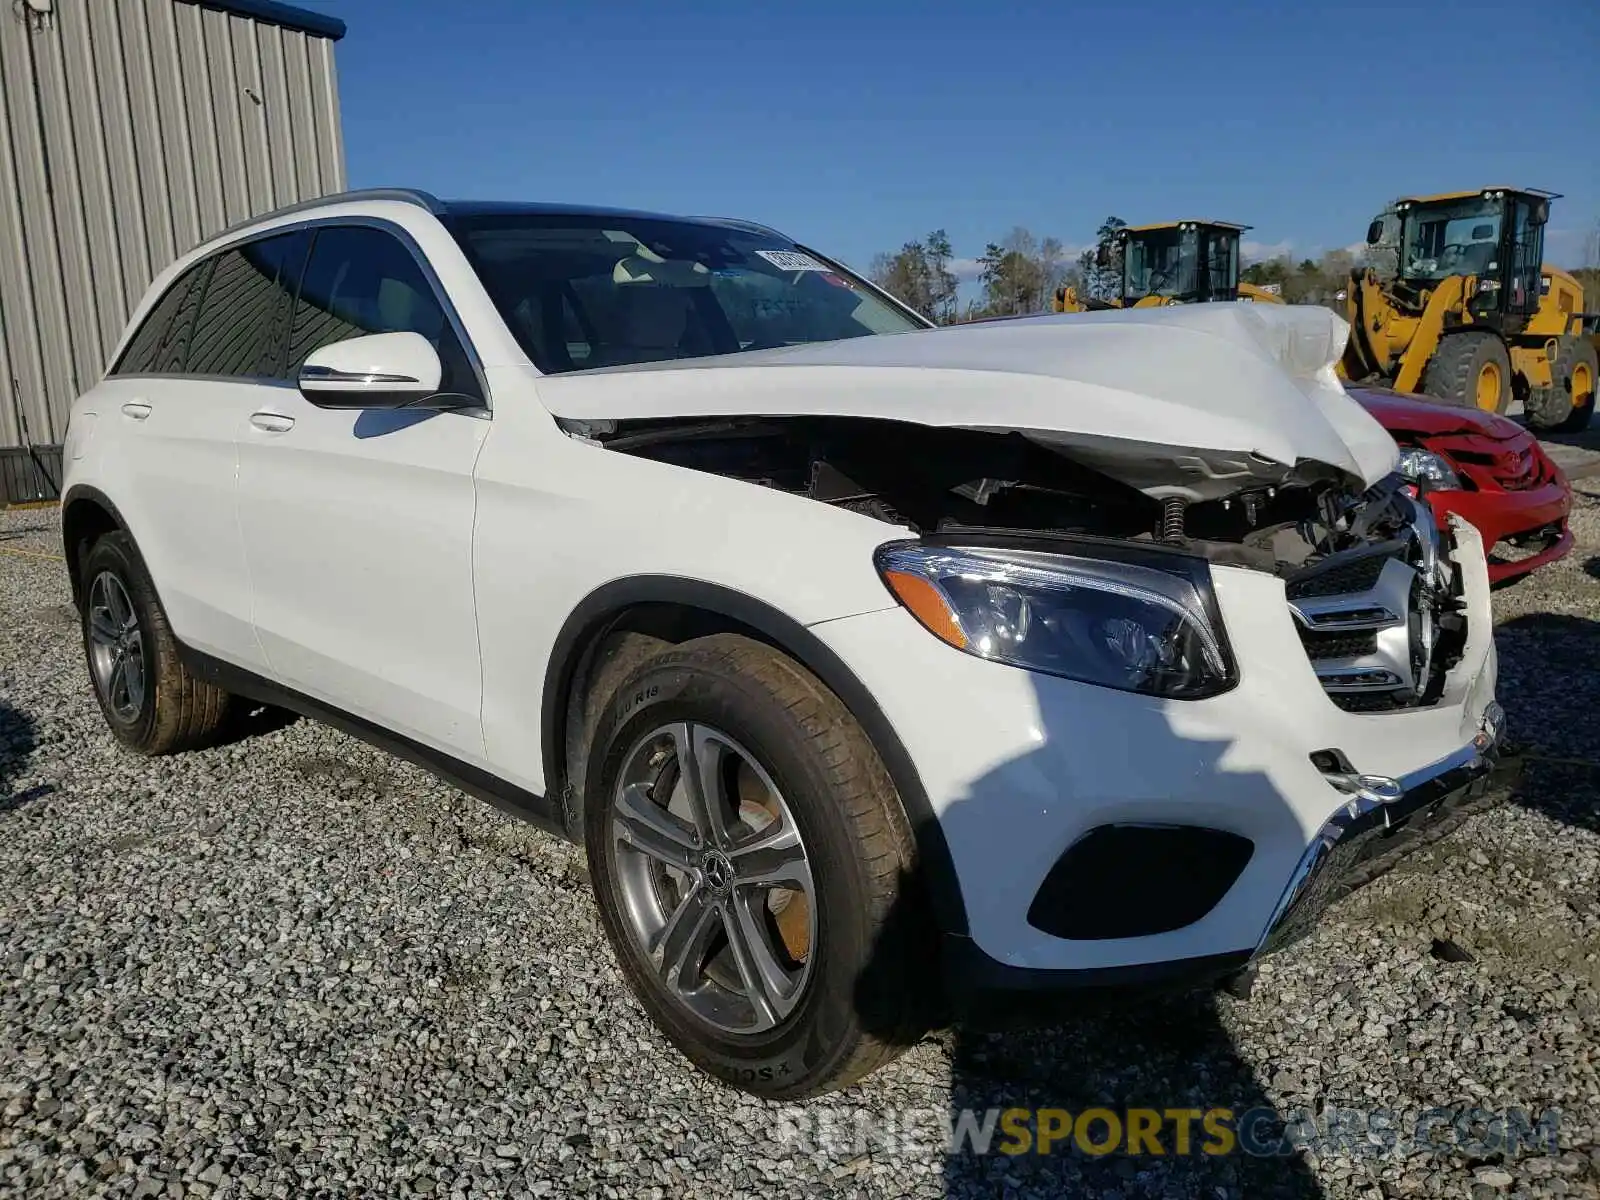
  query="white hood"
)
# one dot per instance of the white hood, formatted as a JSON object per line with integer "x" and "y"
{"x": 1185, "y": 399}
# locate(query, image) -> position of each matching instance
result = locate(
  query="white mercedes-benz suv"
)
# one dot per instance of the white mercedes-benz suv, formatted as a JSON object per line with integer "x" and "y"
{"x": 869, "y": 662}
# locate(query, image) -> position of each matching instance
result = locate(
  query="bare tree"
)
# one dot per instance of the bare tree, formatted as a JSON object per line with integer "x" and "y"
{"x": 919, "y": 274}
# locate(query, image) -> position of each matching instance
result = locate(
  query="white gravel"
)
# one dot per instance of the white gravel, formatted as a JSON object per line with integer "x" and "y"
{"x": 293, "y": 966}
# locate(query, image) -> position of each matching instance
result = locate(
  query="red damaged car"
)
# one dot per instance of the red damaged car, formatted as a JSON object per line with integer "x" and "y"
{"x": 1490, "y": 470}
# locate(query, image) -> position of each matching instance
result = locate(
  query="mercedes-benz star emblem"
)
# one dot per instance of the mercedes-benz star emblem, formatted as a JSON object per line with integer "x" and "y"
{"x": 718, "y": 872}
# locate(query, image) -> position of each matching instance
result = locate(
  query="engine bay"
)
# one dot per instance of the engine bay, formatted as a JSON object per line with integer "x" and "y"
{"x": 1379, "y": 635}
{"x": 940, "y": 480}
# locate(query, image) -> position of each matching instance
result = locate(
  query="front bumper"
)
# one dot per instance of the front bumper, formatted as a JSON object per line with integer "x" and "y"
{"x": 1371, "y": 832}
{"x": 1500, "y": 515}
{"x": 1358, "y": 844}
{"x": 1019, "y": 768}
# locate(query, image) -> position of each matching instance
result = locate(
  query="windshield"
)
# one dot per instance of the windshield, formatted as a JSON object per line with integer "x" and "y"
{"x": 1459, "y": 238}
{"x": 1159, "y": 262}
{"x": 581, "y": 291}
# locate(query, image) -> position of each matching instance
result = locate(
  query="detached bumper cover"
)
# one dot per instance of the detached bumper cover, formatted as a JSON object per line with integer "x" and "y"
{"x": 1370, "y": 834}
{"x": 1361, "y": 842}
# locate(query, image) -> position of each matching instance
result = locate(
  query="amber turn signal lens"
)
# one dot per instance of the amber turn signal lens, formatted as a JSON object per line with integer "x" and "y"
{"x": 927, "y": 605}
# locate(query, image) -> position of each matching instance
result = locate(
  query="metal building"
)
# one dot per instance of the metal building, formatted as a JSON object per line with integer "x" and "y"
{"x": 130, "y": 130}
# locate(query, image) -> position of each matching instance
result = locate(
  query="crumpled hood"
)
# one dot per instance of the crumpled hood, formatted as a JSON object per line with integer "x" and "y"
{"x": 1195, "y": 400}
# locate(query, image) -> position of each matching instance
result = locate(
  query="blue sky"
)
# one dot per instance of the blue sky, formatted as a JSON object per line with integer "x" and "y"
{"x": 856, "y": 126}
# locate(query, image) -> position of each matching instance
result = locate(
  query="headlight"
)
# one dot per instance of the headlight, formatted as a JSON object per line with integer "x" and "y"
{"x": 1104, "y": 621}
{"x": 1428, "y": 469}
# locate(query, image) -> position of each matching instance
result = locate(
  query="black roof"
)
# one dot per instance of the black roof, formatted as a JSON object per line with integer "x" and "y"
{"x": 301, "y": 20}
{"x": 520, "y": 208}
{"x": 494, "y": 208}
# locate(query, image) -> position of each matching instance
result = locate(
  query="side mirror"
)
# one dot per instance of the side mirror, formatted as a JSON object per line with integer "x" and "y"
{"x": 1102, "y": 255}
{"x": 1374, "y": 233}
{"x": 381, "y": 370}
{"x": 1540, "y": 214}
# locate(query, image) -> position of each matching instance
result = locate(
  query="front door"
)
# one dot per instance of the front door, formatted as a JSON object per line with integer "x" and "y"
{"x": 357, "y": 525}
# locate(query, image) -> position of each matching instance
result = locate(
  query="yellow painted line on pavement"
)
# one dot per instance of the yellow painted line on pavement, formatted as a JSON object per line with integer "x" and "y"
{"x": 32, "y": 554}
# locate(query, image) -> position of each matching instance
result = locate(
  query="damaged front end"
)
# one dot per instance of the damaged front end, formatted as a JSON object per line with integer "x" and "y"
{"x": 1374, "y": 594}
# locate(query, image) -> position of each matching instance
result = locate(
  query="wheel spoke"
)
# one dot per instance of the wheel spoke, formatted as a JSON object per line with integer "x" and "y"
{"x": 117, "y": 684}
{"x": 766, "y": 983}
{"x": 133, "y": 677}
{"x": 102, "y": 629}
{"x": 676, "y": 949}
{"x": 116, "y": 603}
{"x": 650, "y": 829}
{"x": 772, "y": 859}
{"x": 700, "y": 756}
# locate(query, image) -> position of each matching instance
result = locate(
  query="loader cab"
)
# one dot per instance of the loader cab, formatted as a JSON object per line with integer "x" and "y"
{"x": 1180, "y": 262}
{"x": 1495, "y": 235}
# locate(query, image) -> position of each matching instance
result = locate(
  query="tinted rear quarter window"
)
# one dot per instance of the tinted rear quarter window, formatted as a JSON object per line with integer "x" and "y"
{"x": 144, "y": 349}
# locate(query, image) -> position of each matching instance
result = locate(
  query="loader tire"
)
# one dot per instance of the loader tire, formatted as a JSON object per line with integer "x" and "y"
{"x": 1472, "y": 368}
{"x": 1567, "y": 405}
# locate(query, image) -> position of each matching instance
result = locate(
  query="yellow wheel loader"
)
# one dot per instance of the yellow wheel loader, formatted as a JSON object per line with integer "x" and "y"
{"x": 1472, "y": 315}
{"x": 1173, "y": 262}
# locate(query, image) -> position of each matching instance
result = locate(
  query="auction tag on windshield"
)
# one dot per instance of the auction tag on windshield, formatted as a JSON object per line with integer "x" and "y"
{"x": 791, "y": 260}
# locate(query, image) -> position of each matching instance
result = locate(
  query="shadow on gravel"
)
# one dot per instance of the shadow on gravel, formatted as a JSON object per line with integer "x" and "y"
{"x": 1549, "y": 684}
{"x": 252, "y": 720}
{"x": 16, "y": 746}
{"x": 1076, "y": 1068}
{"x": 1592, "y": 567}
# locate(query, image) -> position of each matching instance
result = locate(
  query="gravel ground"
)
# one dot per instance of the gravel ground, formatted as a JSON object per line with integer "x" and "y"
{"x": 293, "y": 966}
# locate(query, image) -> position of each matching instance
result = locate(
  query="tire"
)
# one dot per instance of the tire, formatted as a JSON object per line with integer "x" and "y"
{"x": 850, "y": 961}
{"x": 159, "y": 707}
{"x": 1461, "y": 364}
{"x": 1567, "y": 406}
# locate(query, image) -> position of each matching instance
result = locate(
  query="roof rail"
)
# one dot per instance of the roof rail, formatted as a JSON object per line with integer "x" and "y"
{"x": 404, "y": 195}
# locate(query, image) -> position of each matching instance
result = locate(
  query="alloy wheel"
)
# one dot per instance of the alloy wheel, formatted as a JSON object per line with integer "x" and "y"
{"x": 715, "y": 884}
{"x": 116, "y": 647}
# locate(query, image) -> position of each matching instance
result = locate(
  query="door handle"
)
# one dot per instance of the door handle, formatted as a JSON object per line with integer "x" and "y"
{"x": 272, "y": 422}
{"x": 136, "y": 409}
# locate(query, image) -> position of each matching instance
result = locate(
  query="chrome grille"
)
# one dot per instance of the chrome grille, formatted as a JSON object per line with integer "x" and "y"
{"x": 1368, "y": 618}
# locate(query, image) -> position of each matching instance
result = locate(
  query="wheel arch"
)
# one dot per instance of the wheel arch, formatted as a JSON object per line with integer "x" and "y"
{"x": 683, "y": 608}
{"x": 86, "y": 514}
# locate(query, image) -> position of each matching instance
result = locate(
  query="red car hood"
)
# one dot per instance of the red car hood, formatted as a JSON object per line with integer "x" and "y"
{"x": 1401, "y": 413}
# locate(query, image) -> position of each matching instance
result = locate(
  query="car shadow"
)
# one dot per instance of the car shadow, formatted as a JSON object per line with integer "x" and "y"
{"x": 17, "y": 739}
{"x": 1104, "y": 1049}
{"x": 1592, "y": 567}
{"x": 248, "y": 720}
{"x": 1542, "y": 656}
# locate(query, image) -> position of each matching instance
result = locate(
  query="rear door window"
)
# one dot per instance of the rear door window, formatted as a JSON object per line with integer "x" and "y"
{"x": 243, "y": 321}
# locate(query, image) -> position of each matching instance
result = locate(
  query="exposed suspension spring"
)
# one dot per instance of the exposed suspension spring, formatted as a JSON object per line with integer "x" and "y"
{"x": 1172, "y": 519}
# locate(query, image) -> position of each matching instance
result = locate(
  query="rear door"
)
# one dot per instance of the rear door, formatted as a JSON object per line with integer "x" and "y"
{"x": 211, "y": 347}
{"x": 357, "y": 525}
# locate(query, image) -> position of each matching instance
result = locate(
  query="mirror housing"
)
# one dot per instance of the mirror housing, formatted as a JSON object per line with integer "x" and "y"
{"x": 1374, "y": 233}
{"x": 1540, "y": 213}
{"x": 1102, "y": 255}
{"x": 379, "y": 370}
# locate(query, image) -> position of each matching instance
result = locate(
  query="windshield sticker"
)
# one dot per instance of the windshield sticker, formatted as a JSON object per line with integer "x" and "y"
{"x": 791, "y": 260}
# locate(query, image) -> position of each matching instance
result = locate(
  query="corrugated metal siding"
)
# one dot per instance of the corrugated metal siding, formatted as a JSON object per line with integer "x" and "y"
{"x": 129, "y": 131}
